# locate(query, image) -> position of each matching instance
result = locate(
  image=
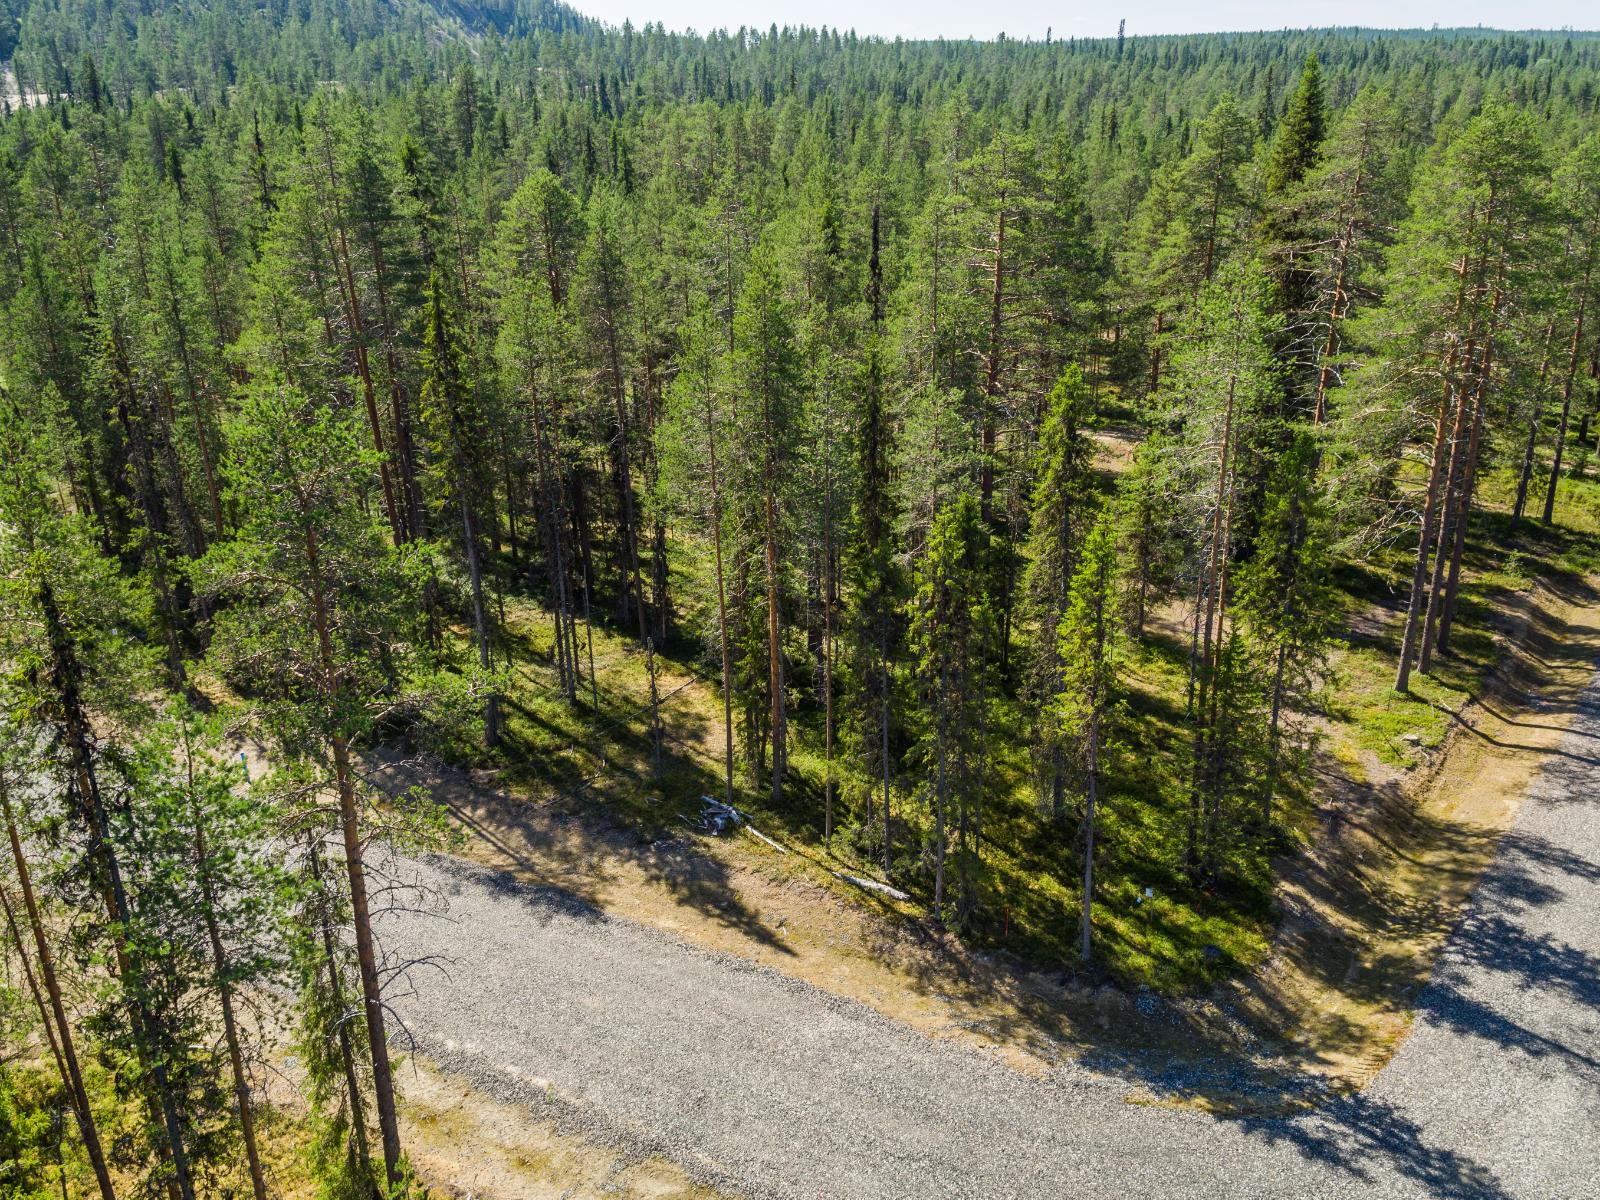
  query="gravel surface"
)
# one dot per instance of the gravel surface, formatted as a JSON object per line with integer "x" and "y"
{"x": 768, "y": 1087}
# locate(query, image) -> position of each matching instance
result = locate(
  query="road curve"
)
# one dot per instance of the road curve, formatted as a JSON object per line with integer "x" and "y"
{"x": 771, "y": 1088}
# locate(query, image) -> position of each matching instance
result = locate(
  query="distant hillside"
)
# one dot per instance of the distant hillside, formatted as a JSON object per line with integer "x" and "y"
{"x": 142, "y": 47}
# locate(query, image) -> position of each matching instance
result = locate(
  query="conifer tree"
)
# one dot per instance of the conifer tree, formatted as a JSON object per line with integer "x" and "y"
{"x": 69, "y": 612}
{"x": 1577, "y": 186}
{"x": 605, "y": 303}
{"x": 695, "y": 478}
{"x": 1059, "y": 521}
{"x": 317, "y": 616}
{"x": 1295, "y": 152}
{"x": 1454, "y": 279}
{"x": 767, "y": 381}
{"x": 953, "y": 638}
{"x": 871, "y": 567}
{"x": 454, "y": 417}
{"x": 1087, "y": 647}
{"x": 1286, "y": 595}
{"x": 1222, "y": 391}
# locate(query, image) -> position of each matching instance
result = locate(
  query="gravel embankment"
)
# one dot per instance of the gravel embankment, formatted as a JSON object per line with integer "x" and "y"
{"x": 768, "y": 1087}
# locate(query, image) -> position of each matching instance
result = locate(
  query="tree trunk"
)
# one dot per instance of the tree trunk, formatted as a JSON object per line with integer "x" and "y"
{"x": 1573, "y": 357}
{"x": 883, "y": 726}
{"x": 1090, "y": 800}
{"x": 354, "y": 852}
{"x": 219, "y": 965}
{"x": 1525, "y": 475}
{"x": 480, "y": 619}
{"x": 1419, "y": 570}
{"x": 633, "y": 587}
{"x": 1469, "y": 483}
{"x": 73, "y": 1074}
{"x": 829, "y": 599}
{"x": 77, "y": 738}
{"x": 347, "y": 287}
{"x": 780, "y": 754}
{"x": 367, "y": 959}
{"x": 46, "y": 1020}
{"x": 655, "y": 706}
{"x": 991, "y": 382}
{"x": 1449, "y": 514}
{"x": 580, "y": 518}
{"x": 722, "y": 600}
{"x": 347, "y": 1055}
{"x": 941, "y": 797}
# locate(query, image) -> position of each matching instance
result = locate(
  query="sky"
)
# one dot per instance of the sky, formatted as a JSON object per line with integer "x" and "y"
{"x": 1031, "y": 18}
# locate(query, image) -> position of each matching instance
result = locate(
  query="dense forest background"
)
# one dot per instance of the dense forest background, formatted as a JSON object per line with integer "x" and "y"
{"x": 1001, "y": 437}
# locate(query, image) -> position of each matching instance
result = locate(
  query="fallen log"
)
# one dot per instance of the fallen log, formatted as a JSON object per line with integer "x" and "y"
{"x": 872, "y": 885}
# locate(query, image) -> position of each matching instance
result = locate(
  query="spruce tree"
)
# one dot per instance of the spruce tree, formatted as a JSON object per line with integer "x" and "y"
{"x": 453, "y": 414}
{"x": 1061, "y": 511}
{"x": 1087, "y": 646}
{"x": 953, "y": 637}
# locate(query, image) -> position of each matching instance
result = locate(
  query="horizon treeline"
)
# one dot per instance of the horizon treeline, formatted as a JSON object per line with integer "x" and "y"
{"x": 327, "y": 335}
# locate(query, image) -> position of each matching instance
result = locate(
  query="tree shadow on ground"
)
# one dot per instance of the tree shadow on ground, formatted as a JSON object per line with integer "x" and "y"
{"x": 1359, "y": 1136}
{"x": 573, "y": 848}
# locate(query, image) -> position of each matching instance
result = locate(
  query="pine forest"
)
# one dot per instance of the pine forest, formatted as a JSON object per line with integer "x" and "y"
{"x": 1047, "y": 492}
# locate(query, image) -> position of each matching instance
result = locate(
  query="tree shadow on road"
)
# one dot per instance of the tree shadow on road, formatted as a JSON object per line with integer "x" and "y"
{"x": 1362, "y": 1137}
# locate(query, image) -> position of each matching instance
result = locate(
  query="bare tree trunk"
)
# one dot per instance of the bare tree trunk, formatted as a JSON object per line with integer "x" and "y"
{"x": 1525, "y": 475}
{"x": 1090, "y": 801}
{"x": 1450, "y": 502}
{"x": 780, "y": 749}
{"x": 722, "y": 598}
{"x": 1453, "y": 579}
{"x": 580, "y": 518}
{"x": 367, "y": 960}
{"x": 1430, "y": 514}
{"x": 655, "y": 706}
{"x": 480, "y": 621}
{"x": 354, "y": 854}
{"x": 1573, "y": 356}
{"x": 416, "y": 519}
{"x": 1319, "y": 403}
{"x": 941, "y": 798}
{"x": 829, "y": 599}
{"x": 347, "y": 1055}
{"x": 347, "y": 286}
{"x": 77, "y": 737}
{"x": 72, "y": 1073}
{"x": 883, "y": 728}
{"x": 624, "y": 480}
{"x": 46, "y": 1021}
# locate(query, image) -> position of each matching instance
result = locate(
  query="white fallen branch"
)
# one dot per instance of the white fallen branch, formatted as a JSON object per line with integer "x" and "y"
{"x": 756, "y": 833}
{"x": 872, "y": 885}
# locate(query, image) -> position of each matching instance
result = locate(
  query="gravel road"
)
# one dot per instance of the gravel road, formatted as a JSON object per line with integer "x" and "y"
{"x": 770, "y": 1088}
